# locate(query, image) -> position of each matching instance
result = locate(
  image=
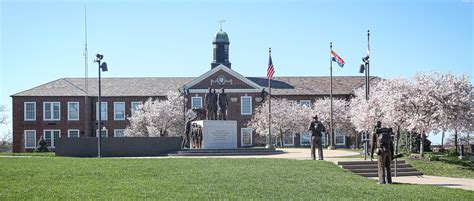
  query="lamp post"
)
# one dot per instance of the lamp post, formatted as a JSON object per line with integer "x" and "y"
{"x": 102, "y": 67}
{"x": 364, "y": 68}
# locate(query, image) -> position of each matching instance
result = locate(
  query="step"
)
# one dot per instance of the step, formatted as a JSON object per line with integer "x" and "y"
{"x": 227, "y": 150}
{"x": 410, "y": 169}
{"x": 364, "y": 162}
{"x": 373, "y": 166}
{"x": 413, "y": 173}
{"x": 224, "y": 153}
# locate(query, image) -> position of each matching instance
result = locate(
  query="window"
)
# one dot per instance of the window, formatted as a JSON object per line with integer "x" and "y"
{"x": 305, "y": 138}
{"x": 30, "y": 111}
{"x": 119, "y": 111}
{"x": 30, "y": 138}
{"x": 196, "y": 102}
{"x": 104, "y": 133}
{"x": 51, "y": 136}
{"x": 246, "y": 137}
{"x": 119, "y": 133}
{"x": 73, "y": 111}
{"x": 305, "y": 103}
{"x": 246, "y": 105}
{"x": 103, "y": 113}
{"x": 135, "y": 105}
{"x": 288, "y": 139}
{"x": 51, "y": 111}
{"x": 340, "y": 137}
{"x": 73, "y": 133}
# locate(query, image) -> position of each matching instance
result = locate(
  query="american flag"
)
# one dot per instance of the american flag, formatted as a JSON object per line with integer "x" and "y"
{"x": 270, "y": 69}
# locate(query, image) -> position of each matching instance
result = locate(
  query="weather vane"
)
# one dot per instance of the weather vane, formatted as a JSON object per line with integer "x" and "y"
{"x": 220, "y": 23}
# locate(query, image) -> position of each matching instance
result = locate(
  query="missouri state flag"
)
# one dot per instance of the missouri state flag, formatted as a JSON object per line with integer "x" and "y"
{"x": 336, "y": 58}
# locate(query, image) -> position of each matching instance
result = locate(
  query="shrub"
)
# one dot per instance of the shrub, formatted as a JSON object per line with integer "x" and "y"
{"x": 432, "y": 156}
{"x": 42, "y": 146}
{"x": 452, "y": 152}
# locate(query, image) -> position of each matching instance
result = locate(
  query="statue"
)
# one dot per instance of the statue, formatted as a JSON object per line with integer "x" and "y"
{"x": 316, "y": 128}
{"x": 199, "y": 136}
{"x": 200, "y": 113}
{"x": 383, "y": 143}
{"x": 194, "y": 135}
{"x": 223, "y": 103}
{"x": 210, "y": 104}
{"x": 185, "y": 138}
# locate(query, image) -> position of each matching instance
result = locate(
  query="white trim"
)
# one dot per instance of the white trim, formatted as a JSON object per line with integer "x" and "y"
{"x": 115, "y": 110}
{"x": 228, "y": 70}
{"x": 115, "y": 132}
{"x": 52, "y": 111}
{"x": 292, "y": 140}
{"x": 304, "y": 102}
{"x": 69, "y": 132}
{"x": 24, "y": 137}
{"x": 202, "y": 91}
{"x": 52, "y": 136}
{"x": 106, "y": 132}
{"x": 78, "y": 111}
{"x": 24, "y": 112}
{"x": 301, "y": 138}
{"x": 242, "y": 105}
{"x": 241, "y": 137}
{"x": 99, "y": 112}
{"x": 197, "y": 97}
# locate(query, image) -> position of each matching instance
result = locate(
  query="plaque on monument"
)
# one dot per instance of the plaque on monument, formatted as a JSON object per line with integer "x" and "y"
{"x": 218, "y": 134}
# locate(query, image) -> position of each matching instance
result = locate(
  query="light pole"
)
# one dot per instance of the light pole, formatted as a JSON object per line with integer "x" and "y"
{"x": 102, "y": 67}
{"x": 364, "y": 68}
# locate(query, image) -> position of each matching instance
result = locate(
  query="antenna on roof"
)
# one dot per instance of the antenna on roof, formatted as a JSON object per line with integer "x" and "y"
{"x": 220, "y": 23}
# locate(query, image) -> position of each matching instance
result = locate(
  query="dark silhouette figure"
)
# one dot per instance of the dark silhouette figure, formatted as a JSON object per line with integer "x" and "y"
{"x": 210, "y": 104}
{"x": 382, "y": 143}
{"x": 316, "y": 128}
{"x": 223, "y": 103}
{"x": 185, "y": 138}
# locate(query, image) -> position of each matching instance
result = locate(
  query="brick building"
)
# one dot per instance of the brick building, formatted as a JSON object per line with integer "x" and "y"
{"x": 62, "y": 108}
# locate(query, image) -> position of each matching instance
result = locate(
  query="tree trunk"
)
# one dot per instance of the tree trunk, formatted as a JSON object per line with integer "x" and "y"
{"x": 281, "y": 138}
{"x": 398, "y": 137}
{"x": 456, "y": 140}
{"x": 442, "y": 140}
{"x": 410, "y": 143}
{"x": 422, "y": 146}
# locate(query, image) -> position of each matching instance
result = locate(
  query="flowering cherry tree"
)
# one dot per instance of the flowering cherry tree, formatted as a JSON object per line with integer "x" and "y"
{"x": 287, "y": 117}
{"x": 341, "y": 115}
{"x": 158, "y": 118}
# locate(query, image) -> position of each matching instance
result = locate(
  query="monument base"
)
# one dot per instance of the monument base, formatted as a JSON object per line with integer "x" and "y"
{"x": 218, "y": 134}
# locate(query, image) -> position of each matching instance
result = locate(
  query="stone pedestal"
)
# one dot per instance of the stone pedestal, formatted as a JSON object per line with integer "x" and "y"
{"x": 218, "y": 134}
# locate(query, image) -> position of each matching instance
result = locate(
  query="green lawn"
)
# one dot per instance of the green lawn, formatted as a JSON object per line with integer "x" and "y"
{"x": 198, "y": 178}
{"x": 33, "y": 154}
{"x": 447, "y": 166}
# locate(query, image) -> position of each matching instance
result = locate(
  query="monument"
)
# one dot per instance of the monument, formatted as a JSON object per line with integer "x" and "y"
{"x": 217, "y": 132}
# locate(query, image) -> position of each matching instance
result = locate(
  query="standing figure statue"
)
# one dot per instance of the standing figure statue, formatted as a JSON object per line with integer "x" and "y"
{"x": 187, "y": 129}
{"x": 316, "y": 128}
{"x": 223, "y": 103}
{"x": 215, "y": 105}
{"x": 199, "y": 136}
{"x": 210, "y": 104}
{"x": 382, "y": 143}
{"x": 194, "y": 136}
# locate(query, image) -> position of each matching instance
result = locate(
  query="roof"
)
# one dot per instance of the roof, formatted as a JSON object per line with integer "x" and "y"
{"x": 221, "y": 37}
{"x": 159, "y": 86}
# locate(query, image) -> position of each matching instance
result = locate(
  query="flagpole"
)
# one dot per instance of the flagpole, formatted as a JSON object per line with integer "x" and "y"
{"x": 86, "y": 76}
{"x": 331, "y": 146}
{"x": 269, "y": 146}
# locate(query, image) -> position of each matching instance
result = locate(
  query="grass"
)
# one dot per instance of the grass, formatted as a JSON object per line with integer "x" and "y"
{"x": 33, "y": 154}
{"x": 62, "y": 178}
{"x": 447, "y": 166}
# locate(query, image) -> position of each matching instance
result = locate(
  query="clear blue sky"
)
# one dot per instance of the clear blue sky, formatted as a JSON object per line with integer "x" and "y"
{"x": 44, "y": 40}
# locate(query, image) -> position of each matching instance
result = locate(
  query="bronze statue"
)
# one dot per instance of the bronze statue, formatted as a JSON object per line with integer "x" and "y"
{"x": 383, "y": 143}
{"x": 209, "y": 104}
{"x": 194, "y": 135}
{"x": 316, "y": 128}
{"x": 199, "y": 136}
{"x": 185, "y": 138}
{"x": 200, "y": 113}
{"x": 223, "y": 103}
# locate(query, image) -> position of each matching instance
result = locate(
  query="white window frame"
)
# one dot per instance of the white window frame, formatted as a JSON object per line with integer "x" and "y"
{"x": 25, "y": 138}
{"x": 292, "y": 139}
{"x": 242, "y": 138}
{"x": 132, "y": 109}
{"x": 115, "y": 132}
{"x": 100, "y": 112}
{"x": 340, "y": 134}
{"x": 52, "y": 111}
{"x": 115, "y": 110}
{"x": 34, "y": 117}
{"x": 69, "y": 111}
{"x": 301, "y": 138}
{"x": 106, "y": 132}
{"x": 52, "y": 136}
{"x": 242, "y": 105}
{"x": 305, "y": 102}
{"x": 69, "y": 133}
{"x": 195, "y": 98}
